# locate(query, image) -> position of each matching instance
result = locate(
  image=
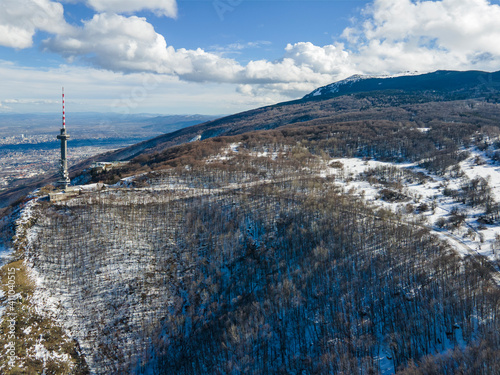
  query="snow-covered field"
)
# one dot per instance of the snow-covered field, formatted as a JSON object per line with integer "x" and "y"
{"x": 470, "y": 238}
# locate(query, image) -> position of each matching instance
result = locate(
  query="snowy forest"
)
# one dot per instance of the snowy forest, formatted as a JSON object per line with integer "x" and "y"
{"x": 254, "y": 265}
{"x": 366, "y": 243}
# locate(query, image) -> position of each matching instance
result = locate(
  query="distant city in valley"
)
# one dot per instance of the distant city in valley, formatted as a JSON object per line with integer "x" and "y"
{"x": 29, "y": 148}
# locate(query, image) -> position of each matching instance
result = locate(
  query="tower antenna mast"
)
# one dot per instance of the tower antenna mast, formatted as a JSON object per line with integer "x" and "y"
{"x": 64, "y": 112}
{"x": 64, "y": 180}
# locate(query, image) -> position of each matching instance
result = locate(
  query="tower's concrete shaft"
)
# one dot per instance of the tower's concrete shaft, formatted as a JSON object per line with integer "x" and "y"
{"x": 63, "y": 169}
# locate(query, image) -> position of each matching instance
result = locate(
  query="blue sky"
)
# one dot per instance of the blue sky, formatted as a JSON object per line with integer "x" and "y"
{"x": 225, "y": 56}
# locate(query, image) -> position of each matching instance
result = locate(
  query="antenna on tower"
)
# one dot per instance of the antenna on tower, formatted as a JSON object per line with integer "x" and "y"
{"x": 64, "y": 113}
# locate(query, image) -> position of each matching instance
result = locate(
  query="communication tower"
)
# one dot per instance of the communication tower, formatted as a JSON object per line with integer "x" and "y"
{"x": 63, "y": 181}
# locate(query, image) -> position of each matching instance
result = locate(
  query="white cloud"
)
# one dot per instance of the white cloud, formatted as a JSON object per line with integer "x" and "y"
{"x": 427, "y": 35}
{"x": 91, "y": 89}
{"x": 116, "y": 43}
{"x": 167, "y": 8}
{"x": 20, "y": 19}
{"x": 330, "y": 59}
{"x": 131, "y": 44}
{"x": 304, "y": 67}
{"x": 31, "y": 101}
{"x": 394, "y": 36}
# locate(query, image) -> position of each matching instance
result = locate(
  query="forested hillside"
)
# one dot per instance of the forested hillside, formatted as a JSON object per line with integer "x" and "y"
{"x": 252, "y": 260}
{"x": 357, "y": 99}
{"x": 256, "y": 267}
{"x": 419, "y": 99}
{"x": 351, "y": 235}
{"x": 435, "y": 134}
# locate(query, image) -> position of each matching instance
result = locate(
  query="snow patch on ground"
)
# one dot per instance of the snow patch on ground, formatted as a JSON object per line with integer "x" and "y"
{"x": 229, "y": 152}
{"x": 92, "y": 187}
{"x": 5, "y": 253}
{"x": 25, "y": 237}
{"x": 488, "y": 170}
{"x": 335, "y": 87}
{"x": 226, "y": 153}
{"x": 470, "y": 238}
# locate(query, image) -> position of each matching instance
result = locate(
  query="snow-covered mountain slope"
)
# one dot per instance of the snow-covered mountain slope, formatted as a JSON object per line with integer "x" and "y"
{"x": 422, "y": 197}
{"x": 357, "y": 234}
{"x": 267, "y": 243}
{"x": 471, "y": 83}
{"x": 347, "y": 83}
{"x": 439, "y": 86}
{"x": 418, "y": 195}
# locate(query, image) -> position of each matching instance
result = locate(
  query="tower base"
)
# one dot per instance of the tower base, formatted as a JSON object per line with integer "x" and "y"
{"x": 63, "y": 184}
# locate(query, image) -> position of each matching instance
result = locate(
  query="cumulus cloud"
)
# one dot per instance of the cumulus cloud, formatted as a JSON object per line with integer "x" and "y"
{"x": 394, "y": 36}
{"x": 20, "y": 19}
{"x": 304, "y": 66}
{"x": 425, "y": 35}
{"x": 330, "y": 59}
{"x": 131, "y": 44}
{"x": 167, "y": 8}
{"x": 114, "y": 42}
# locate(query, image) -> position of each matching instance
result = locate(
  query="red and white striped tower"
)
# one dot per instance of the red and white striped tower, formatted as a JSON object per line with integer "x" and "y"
{"x": 63, "y": 181}
{"x": 64, "y": 112}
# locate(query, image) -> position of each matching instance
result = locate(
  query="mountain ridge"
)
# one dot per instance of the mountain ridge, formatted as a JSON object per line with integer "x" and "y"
{"x": 440, "y": 80}
{"x": 466, "y": 85}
